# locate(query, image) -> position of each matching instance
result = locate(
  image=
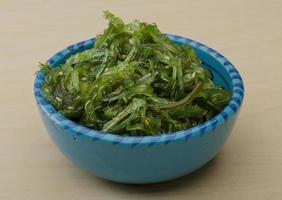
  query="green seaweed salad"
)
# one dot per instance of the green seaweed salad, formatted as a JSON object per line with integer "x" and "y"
{"x": 134, "y": 81}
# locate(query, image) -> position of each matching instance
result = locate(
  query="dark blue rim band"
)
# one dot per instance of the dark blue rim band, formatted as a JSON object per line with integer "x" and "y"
{"x": 183, "y": 135}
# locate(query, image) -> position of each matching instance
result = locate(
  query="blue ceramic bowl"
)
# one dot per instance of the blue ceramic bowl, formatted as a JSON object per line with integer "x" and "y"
{"x": 145, "y": 159}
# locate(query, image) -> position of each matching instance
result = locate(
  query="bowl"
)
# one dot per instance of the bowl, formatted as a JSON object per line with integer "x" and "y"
{"x": 145, "y": 159}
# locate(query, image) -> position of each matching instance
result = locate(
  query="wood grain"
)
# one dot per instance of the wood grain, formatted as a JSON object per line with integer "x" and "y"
{"x": 249, "y": 33}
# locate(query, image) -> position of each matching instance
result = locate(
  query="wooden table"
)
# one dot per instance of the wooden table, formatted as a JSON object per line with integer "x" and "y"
{"x": 249, "y": 33}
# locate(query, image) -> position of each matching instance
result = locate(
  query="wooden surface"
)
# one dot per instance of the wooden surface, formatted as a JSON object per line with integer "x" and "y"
{"x": 249, "y": 33}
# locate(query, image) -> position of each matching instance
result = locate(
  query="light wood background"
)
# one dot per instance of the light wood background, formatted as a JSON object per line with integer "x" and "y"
{"x": 249, "y": 33}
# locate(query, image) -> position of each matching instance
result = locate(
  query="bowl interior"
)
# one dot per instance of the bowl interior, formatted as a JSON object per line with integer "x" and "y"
{"x": 219, "y": 74}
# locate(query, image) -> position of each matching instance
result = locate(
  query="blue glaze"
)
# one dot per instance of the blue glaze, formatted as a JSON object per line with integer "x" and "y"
{"x": 146, "y": 159}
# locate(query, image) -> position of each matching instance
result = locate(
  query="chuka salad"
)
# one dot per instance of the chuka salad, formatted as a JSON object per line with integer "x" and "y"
{"x": 133, "y": 81}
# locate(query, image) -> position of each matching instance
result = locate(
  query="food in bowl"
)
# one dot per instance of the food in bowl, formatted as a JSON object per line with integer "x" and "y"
{"x": 134, "y": 81}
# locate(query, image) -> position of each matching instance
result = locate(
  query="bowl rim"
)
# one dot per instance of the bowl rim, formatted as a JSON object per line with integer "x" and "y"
{"x": 184, "y": 135}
